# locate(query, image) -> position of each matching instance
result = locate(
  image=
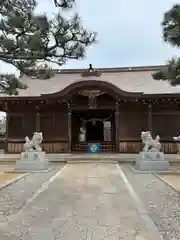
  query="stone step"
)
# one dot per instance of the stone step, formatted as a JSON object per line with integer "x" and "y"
{"x": 91, "y": 161}
{"x": 92, "y": 157}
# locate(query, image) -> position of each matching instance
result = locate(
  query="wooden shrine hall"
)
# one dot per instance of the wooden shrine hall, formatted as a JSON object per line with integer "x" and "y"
{"x": 110, "y": 106}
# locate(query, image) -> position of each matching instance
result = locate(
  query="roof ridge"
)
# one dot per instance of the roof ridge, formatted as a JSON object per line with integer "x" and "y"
{"x": 111, "y": 69}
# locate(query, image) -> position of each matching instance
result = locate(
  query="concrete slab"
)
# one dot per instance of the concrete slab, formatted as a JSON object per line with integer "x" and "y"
{"x": 86, "y": 201}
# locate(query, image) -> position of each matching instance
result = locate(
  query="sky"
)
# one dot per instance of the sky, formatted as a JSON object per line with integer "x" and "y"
{"x": 129, "y": 32}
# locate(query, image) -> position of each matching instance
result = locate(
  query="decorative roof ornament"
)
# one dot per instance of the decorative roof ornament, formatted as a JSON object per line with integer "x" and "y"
{"x": 92, "y": 96}
{"x": 91, "y": 72}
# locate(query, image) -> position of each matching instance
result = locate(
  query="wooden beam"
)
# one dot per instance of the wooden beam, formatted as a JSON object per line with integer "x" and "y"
{"x": 166, "y": 113}
{"x": 7, "y": 133}
{"x": 150, "y": 117}
{"x": 85, "y": 108}
{"x": 7, "y": 125}
{"x": 117, "y": 121}
{"x": 69, "y": 131}
{"x": 37, "y": 122}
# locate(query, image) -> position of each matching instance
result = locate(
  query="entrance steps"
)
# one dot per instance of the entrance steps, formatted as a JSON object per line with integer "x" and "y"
{"x": 74, "y": 158}
{"x": 91, "y": 161}
{"x": 85, "y": 158}
{"x": 103, "y": 157}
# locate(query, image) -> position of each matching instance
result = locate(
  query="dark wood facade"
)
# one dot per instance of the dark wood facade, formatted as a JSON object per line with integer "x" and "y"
{"x": 60, "y": 117}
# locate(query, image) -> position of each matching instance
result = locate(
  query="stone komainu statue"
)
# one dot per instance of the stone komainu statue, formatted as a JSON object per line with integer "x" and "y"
{"x": 150, "y": 144}
{"x": 34, "y": 143}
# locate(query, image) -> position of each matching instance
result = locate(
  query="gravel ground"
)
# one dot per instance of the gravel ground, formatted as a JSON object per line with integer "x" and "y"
{"x": 162, "y": 202}
{"x": 14, "y": 196}
{"x": 84, "y": 202}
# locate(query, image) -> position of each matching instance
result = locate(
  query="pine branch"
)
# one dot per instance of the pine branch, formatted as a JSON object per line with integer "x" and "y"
{"x": 29, "y": 41}
{"x": 171, "y": 35}
{"x": 170, "y": 73}
{"x": 64, "y": 3}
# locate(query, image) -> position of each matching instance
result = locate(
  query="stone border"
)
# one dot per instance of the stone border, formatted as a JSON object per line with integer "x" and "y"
{"x": 155, "y": 173}
{"x": 91, "y": 161}
{"x": 177, "y": 190}
{"x": 148, "y": 222}
{"x": 29, "y": 171}
{"x": 145, "y": 172}
{"x": 13, "y": 181}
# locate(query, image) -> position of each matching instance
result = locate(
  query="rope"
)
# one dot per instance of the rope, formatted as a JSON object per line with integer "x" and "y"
{"x": 95, "y": 119}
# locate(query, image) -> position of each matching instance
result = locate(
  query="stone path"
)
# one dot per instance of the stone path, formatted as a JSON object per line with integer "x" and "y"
{"x": 83, "y": 202}
{"x": 161, "y": 201}
{"x": 172, "y": 179}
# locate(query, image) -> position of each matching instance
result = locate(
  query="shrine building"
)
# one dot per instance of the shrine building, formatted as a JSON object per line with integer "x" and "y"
{"x": 109, "y": 106}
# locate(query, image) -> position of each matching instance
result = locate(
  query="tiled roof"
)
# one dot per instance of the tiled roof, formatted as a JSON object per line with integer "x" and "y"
{"x": 127, "y": 79}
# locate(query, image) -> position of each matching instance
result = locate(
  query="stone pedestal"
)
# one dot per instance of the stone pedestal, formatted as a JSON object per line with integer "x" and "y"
{"x": 152, "y": 161}
{"x": 32, "y": 161}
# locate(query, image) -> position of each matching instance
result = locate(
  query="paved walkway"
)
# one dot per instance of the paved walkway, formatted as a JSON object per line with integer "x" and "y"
{"x": 80, "y": 202}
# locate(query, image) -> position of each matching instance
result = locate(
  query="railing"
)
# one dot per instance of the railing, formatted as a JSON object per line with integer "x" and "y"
{"x": 135, "y": 146}
{"x": 60, "y": 146}
{"x": 53, "y": 146}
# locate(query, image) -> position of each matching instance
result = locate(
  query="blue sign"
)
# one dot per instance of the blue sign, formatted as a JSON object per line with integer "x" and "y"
{"x": 93, "y": 148}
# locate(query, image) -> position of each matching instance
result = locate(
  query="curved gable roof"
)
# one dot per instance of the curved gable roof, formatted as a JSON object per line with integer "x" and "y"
{"x": 129, "y": 80}
{"x": 89, "y": 83}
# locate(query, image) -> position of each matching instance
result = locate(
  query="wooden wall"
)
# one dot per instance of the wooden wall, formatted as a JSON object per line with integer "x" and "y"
{"x": 21, "y": 125}
{"x": 164, "y": 121}
{"x": 53, "y": 125}
{"x": 135, "y": 146}
{"x": 16, "y": 146}
{"x": 166, "y": 125}
{"x": 133, "y": 119}
{"x": 132, "y": 124}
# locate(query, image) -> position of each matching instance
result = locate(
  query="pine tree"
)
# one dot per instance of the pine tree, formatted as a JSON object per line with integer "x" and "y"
{"x": 30, "y": 41}
{"x": 171, "y": 35}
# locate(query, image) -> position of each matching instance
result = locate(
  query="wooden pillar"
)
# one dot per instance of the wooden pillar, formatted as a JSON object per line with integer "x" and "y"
{"x": 150, "y": 118}
{"x": 117, "y": 121}
{"x": 69, "y": 131}
{"x": 7, "y": 125}
{"x": 7, "y": 133}
{"x": 37, "y": 122}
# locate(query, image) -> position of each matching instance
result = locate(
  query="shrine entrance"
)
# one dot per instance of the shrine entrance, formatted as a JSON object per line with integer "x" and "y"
{"x": 93, "y": 126}
{"x": 94, "y": 131}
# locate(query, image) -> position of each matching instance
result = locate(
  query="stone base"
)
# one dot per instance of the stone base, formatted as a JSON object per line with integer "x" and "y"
{"x": 31, "y": 165}
{"x": 169, "y": 171}
{"x": 32, "y": 161}
{"x": 151, "y": 161}
{"x": 151, "y": 156}
{"x": 33, "y": 156}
